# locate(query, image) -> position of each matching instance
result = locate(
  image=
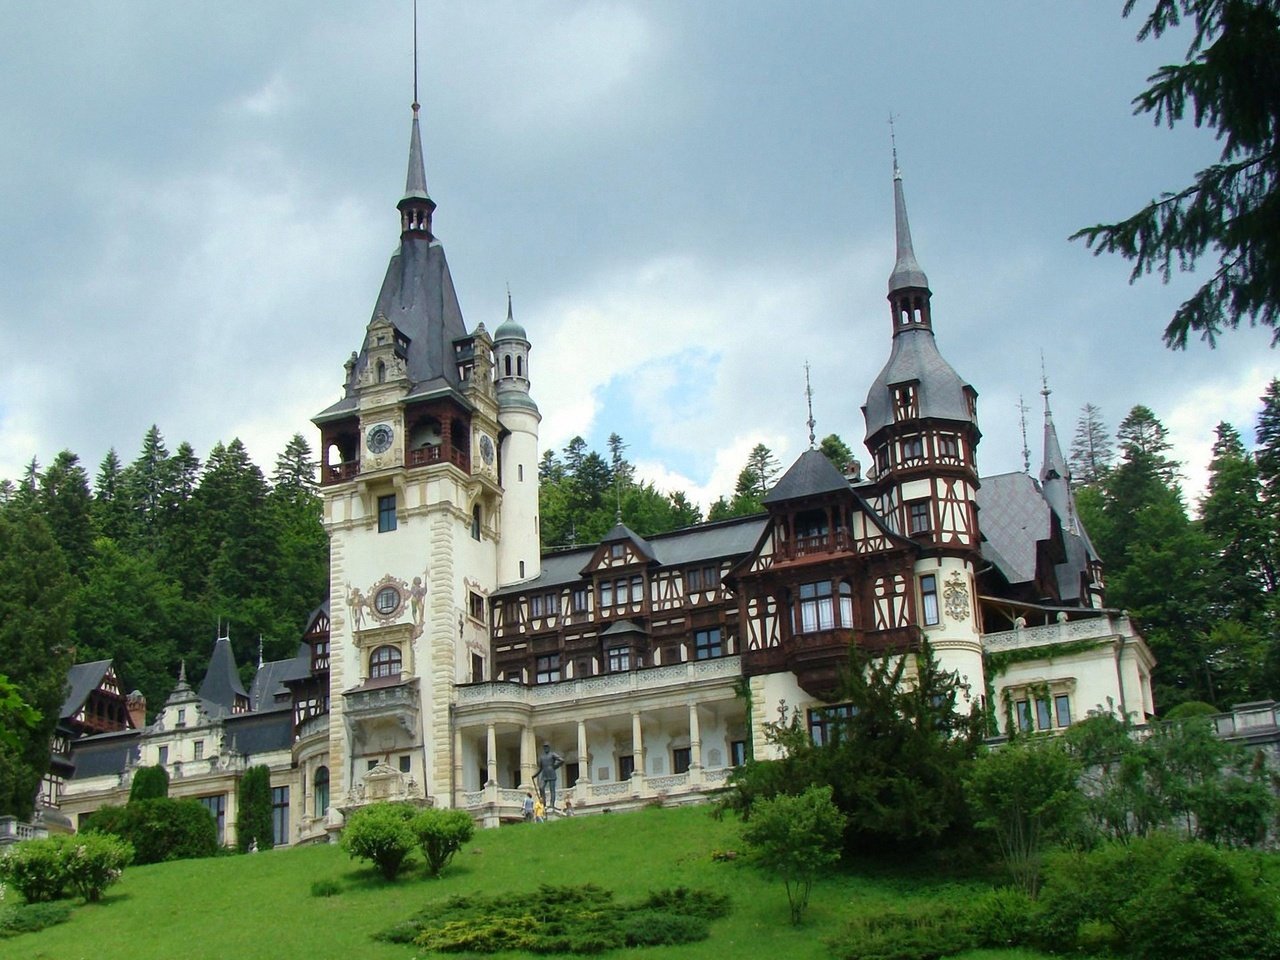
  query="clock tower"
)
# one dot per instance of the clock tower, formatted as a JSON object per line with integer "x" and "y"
{"x": 413, "y": 499}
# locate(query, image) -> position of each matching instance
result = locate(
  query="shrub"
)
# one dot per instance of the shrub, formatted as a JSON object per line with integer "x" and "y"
{"x": 920, "y": 932}
{"x": 94, "y": 861}
{"x": 1190, "y": 708}
{"x": 254, "y": 820}
{"x": 1203, "y": 906}
{"x": 381, "y": 833}
{"x": 441, "y": 834}
{"x": 160, "y": 829}
{"x": 688, "y": 902}
{"x": 1003, "y": 918}
{"x": 149, "y": 783}
{"x": 795, "y": 838}
{"x": 656, "y": 928}
{"x": 31, "y": 917}
{"x": 36, "y": 868}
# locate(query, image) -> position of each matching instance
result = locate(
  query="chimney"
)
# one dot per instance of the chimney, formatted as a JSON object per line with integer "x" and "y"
{"x": 136, "y": 704}
{"x": 853, "y": 471}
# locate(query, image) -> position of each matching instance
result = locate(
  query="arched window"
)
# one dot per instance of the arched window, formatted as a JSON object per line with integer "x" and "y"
{"x": 475, "y": 522}
{"x": 382, "y": 372}
{"x": 507, "y": 364}
{"x": 321, "y": 791}
{"x": 384, "y": 662}
{"x": 519, "y": 366}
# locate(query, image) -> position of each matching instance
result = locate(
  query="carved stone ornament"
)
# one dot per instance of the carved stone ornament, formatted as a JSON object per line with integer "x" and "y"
{"x": 955, "y": 593}
{"x": 387, "y": 599}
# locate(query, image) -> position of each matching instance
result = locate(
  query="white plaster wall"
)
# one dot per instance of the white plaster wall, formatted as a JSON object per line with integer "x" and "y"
{"x": 955, "y": 638}
{"x": 519, "y": 541}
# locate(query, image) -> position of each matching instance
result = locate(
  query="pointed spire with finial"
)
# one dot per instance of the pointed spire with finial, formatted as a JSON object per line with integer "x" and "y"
{"x": 907, "y": 272}
{"x": 1023, "y": 409}
{"x": 1055, "y": 474}
{"x": 808, "y": 395}
{"x": 417, "y": 206}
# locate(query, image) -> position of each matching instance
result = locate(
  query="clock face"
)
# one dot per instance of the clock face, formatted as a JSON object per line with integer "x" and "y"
{"x": 379, "y": 438}
{"x": 486, "y": 449}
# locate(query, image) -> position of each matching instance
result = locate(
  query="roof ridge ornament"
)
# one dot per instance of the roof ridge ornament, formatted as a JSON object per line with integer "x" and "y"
{"x": 808, "y": 395}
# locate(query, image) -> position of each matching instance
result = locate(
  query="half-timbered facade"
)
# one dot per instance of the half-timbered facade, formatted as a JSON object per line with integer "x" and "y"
{"x": 450, "y": 648}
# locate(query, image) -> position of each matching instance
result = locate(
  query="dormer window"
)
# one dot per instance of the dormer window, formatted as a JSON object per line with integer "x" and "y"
{"x": 905, "y": 402}
{"x": 617, "y": 551}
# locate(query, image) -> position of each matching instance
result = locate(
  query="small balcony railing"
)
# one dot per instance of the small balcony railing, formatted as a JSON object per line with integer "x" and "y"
{"x": 339, "y": 472}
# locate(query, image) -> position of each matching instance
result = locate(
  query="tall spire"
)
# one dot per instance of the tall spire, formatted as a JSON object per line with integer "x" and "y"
{"x": 1055, "y": 475}
{"x": 808, "y": 395}
{"x": 906, "y": 269}
{"x": 417, "y": 206}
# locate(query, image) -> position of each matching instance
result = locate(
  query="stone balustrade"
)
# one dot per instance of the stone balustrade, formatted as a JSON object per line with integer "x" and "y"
{"x": 570, "y": 691}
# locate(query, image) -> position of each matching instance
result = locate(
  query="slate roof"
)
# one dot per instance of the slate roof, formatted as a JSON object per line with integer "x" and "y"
{"x": 914, "y": 356}
{"x": 268, "y": 682}
{"x": 221, "y": 683}
{"x": 811, "y": 474}
{"x": 104, "y": 754}
{"x": 706, "y": 541}
{"x": 1014, "y": 517}
{"x": 621, "y": 531}
{"x": 82, "y": 680}
{"x": 623, "y": 628}
{"x": 259, "y": 732}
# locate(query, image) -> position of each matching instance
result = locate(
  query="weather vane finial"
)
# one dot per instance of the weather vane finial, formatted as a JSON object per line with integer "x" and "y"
{"x": 808, "y": 395}
{"x": 893, "y": 141}
{"x": 1044, "y": 384}
{"x": 415, "y": 57}
{"x": 1026, "y": 447}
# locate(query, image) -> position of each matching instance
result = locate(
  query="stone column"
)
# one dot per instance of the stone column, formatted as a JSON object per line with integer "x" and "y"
{"x": 458, "y": 784}
{"x": 526, "y": 758}
{"x": 491, "y": 754}
{"x": 584, "y": 759}
{"x": 637, "y": 744}
{"x": 695, "y": 739}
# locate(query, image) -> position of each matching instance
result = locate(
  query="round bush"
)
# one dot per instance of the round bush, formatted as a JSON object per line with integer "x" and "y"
{"x": 381, "y": 833}
{"x": 160, "y": 829}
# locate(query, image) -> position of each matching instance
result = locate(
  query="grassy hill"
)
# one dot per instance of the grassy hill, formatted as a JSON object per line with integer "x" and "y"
{"x": 260, "y": 907}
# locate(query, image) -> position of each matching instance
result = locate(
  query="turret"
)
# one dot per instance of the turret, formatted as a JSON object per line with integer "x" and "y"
{"x": 519, "y": 552}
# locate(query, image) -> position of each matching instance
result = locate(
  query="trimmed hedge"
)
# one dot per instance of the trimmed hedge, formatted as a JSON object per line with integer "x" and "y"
{"x": 160, "y": 829}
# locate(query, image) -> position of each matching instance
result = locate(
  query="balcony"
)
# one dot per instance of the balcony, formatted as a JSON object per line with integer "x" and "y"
{"x": 339, "y": 472}
{"x": 608, "y": 685}
{"x": 424, "y": 456}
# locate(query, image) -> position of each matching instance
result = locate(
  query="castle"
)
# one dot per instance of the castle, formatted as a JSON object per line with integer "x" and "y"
{"x": 452, "y": 647}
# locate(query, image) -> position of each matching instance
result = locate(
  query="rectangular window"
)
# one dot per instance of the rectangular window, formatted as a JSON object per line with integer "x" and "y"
{"x": 606, "y": 595}
{"x": 477, "y": 668}
{"x": 477, "y": 606}
{"x": 1062, "y": 707}
{"x": 1024, "y": 715}
{"x": 280, "y": 815}
{"x": 637, "y": 589}
{"x": 537, "y": 606}
{"x": 816, "y": 611}
{"x": 619, "y": 660}
{"x": 164, "y": 756}
{"x": 680, "y": 759}
{"x": 199, "y": 749}
{"x": 217, "y": 807}
{"x": 406, "y": 764}
{"x": 571, "y": 773}
{"x": 580, "y": 602}
{"x": 738, "y": 752}
{"x": 929, "y": 599}
{"x": 387, "y": 513}
{"x": 1043, "y": 719}
{"x": 520, "y": 472}
{"x": 182, "y": 717}
{"x": 707, "y": 645}
{"x": 626, "y": 767}
{"x": 948, "y": 446}
{"x": 693, "y": 580}
{"x": 912, "y": 448}
{"x": 918, "y": 519}
{"x": 371, "y": 764}
{"x": 547, "y": 669}
{"x": 617, "y": 551}
{"x": 825, "y": 723}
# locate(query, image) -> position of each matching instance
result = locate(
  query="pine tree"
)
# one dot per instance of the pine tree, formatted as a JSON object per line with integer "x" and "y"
{"x": 1091, "y": 449}
{"x": 295, "y": 467}
{"x": 764, "y": 466}
{"x": 144, "y": 485}
{"x": 1230, "y": 83}
{"x": 110, "y": 509}
{"x": 67, "y": 506}
{"x": 837, "y": 451}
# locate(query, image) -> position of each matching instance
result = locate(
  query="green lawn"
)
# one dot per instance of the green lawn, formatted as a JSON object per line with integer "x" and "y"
{"x": 260, "y": 907}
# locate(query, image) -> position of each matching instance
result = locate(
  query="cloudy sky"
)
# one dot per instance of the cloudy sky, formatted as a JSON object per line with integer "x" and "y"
{"x": 688, "y": 201}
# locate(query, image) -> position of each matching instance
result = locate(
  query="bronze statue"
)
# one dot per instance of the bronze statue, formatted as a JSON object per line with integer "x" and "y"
{"x": 548, "y": 764}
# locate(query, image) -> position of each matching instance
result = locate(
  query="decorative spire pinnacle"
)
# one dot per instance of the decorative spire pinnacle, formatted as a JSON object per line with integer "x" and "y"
{"x": 906, "y": 269}
{"x": 509, "y": 316}
{"x": 417, "y": 206}
{"x": 1023, "y": 409}
{"x": 1055, "y": 474}
{"x": 182, "y": 672}
{"x": 808, "y": 395}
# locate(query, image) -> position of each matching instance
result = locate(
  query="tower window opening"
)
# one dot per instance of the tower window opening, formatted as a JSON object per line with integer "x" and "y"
{"x": 929, "y": 599}
{"x": 506, "y": 363}
{"x": 382, "y": 372}
{"x": 387, "y": 513}
{"x": 918, "y": 519}
{"x": 519, "y": 366}
{"x": 475, "y": 522}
